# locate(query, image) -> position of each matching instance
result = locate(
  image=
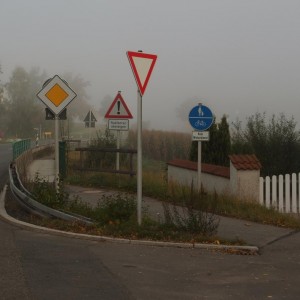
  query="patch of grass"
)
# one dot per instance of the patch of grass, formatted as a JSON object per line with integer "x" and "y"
{"x": 77, "y": 206}
{"x": 155, "y": 185}
{"x": 115, "y": 209}
{"x": 147, "y": 231}
{"x": 116, "y": 215}
{"x": 46, "y": 194}
{"x": 102, "y": 180}
{"x": 249, "y": 210}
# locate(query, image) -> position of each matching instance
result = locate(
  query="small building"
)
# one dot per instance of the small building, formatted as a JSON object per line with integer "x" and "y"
{"x": 240, "y": 179}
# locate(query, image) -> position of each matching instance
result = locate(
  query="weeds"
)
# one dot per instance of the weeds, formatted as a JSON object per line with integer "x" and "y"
{"x": 195, "y": 215}
{"x": 155, "y": 185}
{"x": 188, "y": 216}
{"x": 115, "y": 209}
{"x": 116, "y": 215}
{"x": 46, "y": 194}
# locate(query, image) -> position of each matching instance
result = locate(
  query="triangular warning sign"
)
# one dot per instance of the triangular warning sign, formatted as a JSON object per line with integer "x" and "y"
{"x": 142, "y": 65}
{"x": 118, "y": 109}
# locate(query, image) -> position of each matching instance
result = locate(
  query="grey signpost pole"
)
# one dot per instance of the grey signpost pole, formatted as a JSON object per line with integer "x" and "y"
{"x": 199, "y": 166}
{"x": 142, "y": 65}
{"x": 56, "y": 95}
{"x": 117, "y": 113}
{"x": 56, "y": 153}
{"x": 118, "y": 154}
{"x": 200, "y": 118}
{"x": 139, "y": 158}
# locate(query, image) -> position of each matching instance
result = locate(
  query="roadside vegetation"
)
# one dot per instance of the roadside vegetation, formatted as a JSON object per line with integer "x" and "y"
{"x": 188, "y": 216}
{"x": 155, "y": 185}
{"x": 115, "y": 215}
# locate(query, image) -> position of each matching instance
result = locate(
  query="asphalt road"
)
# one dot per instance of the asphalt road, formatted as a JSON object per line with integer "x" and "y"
{"x": 43, "y": 266}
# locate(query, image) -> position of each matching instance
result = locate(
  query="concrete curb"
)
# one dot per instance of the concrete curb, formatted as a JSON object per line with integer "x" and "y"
{"x": 230, "y": 248}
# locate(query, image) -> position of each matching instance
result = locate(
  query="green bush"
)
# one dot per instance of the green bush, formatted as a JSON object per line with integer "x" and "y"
{"x": 115, "y": 208}
{"x": 45, "y": 193}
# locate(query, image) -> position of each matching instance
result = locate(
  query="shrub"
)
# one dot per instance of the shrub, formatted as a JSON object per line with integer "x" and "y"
{"x": 115, "y": 208}
{"x": 196, "y": 215}
{"x": 45, "y": 193}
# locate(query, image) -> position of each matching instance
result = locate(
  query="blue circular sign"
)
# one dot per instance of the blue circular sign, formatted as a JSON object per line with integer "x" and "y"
{"x": 201, "y": 117}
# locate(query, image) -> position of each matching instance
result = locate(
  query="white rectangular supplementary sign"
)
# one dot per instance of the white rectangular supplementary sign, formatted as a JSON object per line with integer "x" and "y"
{"x": 200, "y": 136}
{"x": 118, "y": 124}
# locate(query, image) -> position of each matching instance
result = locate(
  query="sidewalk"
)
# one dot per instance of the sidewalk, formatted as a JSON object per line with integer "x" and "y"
{"x": 253, "y": 234}
{"x": 44, "y": 167}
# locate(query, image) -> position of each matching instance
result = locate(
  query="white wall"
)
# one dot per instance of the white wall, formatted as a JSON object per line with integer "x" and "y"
{"x": 182, "y": 176}
{"x": 210, "y": 183}
{"x": 242, "y": 183}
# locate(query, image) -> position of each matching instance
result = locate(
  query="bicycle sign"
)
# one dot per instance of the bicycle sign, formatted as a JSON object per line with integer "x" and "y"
{"x": 201, "y": 117}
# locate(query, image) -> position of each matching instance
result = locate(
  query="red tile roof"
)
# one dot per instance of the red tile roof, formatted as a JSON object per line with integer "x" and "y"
{"x": 245, "y": 162}
{"x": 205, "y": 168}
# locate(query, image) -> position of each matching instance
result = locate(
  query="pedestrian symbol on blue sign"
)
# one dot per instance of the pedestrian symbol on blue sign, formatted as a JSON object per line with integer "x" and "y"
{"x": 201, "y": 117}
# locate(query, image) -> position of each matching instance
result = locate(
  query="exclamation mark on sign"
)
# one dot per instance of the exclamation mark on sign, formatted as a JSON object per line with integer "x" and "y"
{"x": 118, "y": 104}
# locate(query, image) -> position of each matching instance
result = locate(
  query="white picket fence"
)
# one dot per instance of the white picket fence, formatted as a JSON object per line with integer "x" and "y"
{"x": 281, "y": 193}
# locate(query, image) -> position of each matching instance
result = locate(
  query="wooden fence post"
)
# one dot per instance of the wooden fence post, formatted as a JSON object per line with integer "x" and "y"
{"x": 294, "y": 193}
{"x": 274, "y": 191}
{"x": 280, "y": 194}
{"x": 287, "y": 193}
{"x": 261, "y": 191}
{"x": 268, "y": 195}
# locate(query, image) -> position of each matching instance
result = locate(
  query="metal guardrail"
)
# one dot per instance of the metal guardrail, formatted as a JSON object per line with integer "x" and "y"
{"x": 24, "y": 198}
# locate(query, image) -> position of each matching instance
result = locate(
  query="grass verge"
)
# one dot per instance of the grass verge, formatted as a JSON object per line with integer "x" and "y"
{"x": 155, "y": 185}
{"x": 115, "y": 215}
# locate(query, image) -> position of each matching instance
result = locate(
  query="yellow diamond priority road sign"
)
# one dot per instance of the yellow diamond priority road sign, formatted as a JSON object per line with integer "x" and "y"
{"x": 56, "y": 94}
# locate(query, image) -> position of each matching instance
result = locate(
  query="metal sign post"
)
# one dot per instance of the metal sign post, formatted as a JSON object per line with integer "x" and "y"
{"x": 139, "y": 159}
{"x": 199, "y": 167}
{"x": 118, "y": 154}
{"x": 200, "y": 118}
{"x": 56, "y": 147}
{"x": 118, "y": 114}
{"x": 56, "y": 95}
{"x": 89, "y": 121}
{"x": 142, "y": 65}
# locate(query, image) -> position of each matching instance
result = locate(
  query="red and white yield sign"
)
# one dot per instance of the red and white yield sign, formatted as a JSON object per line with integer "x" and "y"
{"x": 142, "y": 65}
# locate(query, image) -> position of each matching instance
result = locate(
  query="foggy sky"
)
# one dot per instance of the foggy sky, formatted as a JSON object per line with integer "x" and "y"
{"x": 235, "y": 56}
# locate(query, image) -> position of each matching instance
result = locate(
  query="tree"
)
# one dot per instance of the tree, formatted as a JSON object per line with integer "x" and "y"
{"x": 3, "y": 110}
{"x": 24, "y": 110}
{"x": 275, "y": 142}
{"x": 239, "y": 145}
{"x": 217, "y": 149}
{"x": 3, "y": 114}
{"x": 223, "y": 142}
{"x": 26, "y": 113}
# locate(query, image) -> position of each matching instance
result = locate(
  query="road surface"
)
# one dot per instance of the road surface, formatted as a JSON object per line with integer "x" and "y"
{"x": 44, "y": 266}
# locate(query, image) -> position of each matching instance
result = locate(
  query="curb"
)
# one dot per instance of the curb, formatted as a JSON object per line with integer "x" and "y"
{"x": 230, "y": 248}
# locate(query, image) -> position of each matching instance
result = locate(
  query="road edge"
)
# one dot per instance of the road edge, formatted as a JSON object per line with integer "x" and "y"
{"x": 230, "y": 248}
